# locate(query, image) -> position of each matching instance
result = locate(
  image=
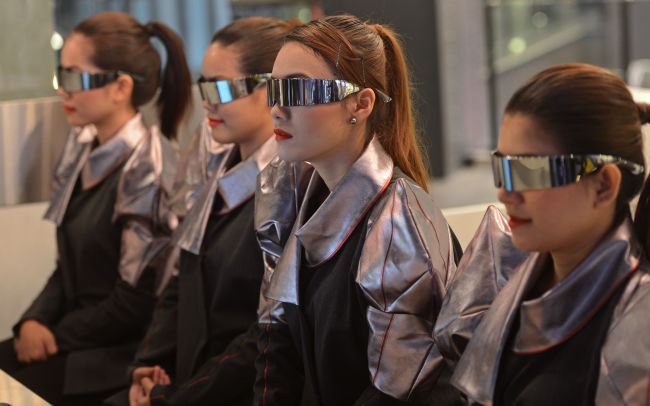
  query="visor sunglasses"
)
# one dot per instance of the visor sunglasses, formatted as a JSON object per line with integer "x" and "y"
{"x": 74, "y": 81}
{"x": 308, "y": 92}
{"x": 225, "y": 91}
{"x": 517, "y": 173}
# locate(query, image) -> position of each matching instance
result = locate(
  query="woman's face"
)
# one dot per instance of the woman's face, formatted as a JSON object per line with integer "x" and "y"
{"x": 310, "y": 133}
{"x": 241, "y": 120}
{"x": 545, "y": 220}
{"x": 85, "y": 107}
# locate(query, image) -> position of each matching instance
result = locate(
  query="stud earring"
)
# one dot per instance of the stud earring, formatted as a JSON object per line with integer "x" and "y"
{"x": 353, "y": 120}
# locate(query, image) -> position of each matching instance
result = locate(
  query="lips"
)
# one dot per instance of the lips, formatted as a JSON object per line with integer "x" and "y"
{"x": 69, "y": 109}
{"x": 515, "y": 222}
{"x": 214, "y": 122}
{"x": 281, "y": 135}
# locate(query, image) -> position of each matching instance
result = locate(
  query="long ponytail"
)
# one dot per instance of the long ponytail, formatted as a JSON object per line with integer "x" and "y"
{"x": 399, "y": 133}
{"x": 371, "y": 55}
{"x": 121, "y": 43}
{"x": 175, "y": 89}
{"x": 642, "y": 215}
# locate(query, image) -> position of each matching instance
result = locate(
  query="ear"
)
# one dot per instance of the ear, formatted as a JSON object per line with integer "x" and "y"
{"x": 122, "y": 89}
{"x": 362, "y": 104}
{"x": 607, "y": 183}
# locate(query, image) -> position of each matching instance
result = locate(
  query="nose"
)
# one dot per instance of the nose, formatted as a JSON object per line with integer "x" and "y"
{"x": 62, "y": 93}
{"x": 509, "y": 198}
{"x": 210, "y": 108}
{"x": 279, "y": 113}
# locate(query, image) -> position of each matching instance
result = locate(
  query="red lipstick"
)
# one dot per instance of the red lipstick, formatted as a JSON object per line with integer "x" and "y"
{"x": 68, "y": 109}
{"x": 515, "y": 222}
{"x": 281, "y": 135}
{"x": 214, "y": 122}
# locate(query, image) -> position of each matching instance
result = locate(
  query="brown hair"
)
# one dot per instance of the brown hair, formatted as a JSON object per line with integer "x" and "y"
{"x": 371, "y": 55}
{"x": 586, "y": 109}
{"x": 257, "y": 40}
{"x": 121, "y": 43}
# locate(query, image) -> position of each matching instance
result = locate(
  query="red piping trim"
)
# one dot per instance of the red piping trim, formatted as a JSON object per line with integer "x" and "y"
{"x": 265, "y": 393}
{"x": 381, "y": 352}
{"x": 586, "y": 320}
{"x": 426, "y": 216}
{"x": 356, "y": 222}
{"x": 390, "y": 243}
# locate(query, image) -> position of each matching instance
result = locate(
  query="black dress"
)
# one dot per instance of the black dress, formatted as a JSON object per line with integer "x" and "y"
{"x": 97, "y": 310}
{"x": 204, "y": 328}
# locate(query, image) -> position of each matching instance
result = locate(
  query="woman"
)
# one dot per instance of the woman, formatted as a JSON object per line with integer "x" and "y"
{"x": 570, "y": 325}
{"x": 200, "y": 348}
{"x": 74, "y": 342}
{"x": 357, "y": 253}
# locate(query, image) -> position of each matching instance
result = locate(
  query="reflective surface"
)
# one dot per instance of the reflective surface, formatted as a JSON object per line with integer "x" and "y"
{"x": 519, "y": 173}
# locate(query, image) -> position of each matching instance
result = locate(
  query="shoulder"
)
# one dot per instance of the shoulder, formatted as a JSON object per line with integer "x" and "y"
{"x": 147, "y": 174}
{"x": 408, "y": 242}
{"x": 625, "y": 360}
{"x": 407, "y": 211}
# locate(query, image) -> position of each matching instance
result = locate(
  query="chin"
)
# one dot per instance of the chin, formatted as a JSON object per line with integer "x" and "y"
{"x": 289, "y": 155}
{"x": 525, "y": 243}
{"x": 221, "y": 136}
{"x": 77, "y": 121}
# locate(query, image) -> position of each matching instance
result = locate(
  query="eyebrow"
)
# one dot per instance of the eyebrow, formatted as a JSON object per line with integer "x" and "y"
{"x": 71, "y": 67}
{"x": 212, "y": 78}
{"x": 297, "y": 75}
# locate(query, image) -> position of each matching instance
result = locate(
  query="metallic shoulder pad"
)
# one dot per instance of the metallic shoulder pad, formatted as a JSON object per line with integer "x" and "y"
{"x": 280, "y": 189}
{"x": 405, "y": 265}
{"x": 147, "y": 175}
{"x": 486, "y": 266}
{"x": 625, "y": 358}
{"x": 74, "y": 156}
{"x": 198, "y": 162}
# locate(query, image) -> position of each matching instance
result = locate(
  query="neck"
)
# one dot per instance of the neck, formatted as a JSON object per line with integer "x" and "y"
{"x": 108, "y": 127}
{"x": 567, "y": 260}
{"x": 334, "y": 165}
{"x": 247, "y": 148}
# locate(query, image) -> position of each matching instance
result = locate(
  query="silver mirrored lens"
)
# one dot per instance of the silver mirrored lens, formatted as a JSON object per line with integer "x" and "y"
{"x": 520, "y": 173}
{"x": 225, "y": 91}
{"x": 308, "y": 92}
{"x": 83, "y": 81}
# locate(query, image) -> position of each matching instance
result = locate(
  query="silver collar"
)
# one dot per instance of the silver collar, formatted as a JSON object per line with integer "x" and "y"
{"x": 94, "y": 166}
{"x": 549, "y": 320}
{"x": 329, "y": 227}
{"x": 235, "y": 186}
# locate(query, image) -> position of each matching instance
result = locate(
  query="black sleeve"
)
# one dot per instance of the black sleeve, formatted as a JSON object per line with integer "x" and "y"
{"x": 49, "y": 305}
{"x": 225, "y": 379}
{"x": 374, "y": 397}
{"x": 124, "y": 314}
{"x": 159, "y": 344}
{"x": 279, "y": 373}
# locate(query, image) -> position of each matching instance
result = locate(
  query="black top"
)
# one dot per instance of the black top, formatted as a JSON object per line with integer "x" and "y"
{"x": 566, "y": 374}
{"x": 96, "y": 317}
{"x": 329, "y": 329}
{"x": 204, "y": 329}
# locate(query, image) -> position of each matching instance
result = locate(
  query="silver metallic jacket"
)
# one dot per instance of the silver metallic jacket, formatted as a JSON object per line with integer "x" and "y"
{"x": 235, "y": 186}
{"x": 405, "y": 265}
{"x": 552, "y": 318}
{"x": 148, "y": 161}
{"x": 199, "y": 161}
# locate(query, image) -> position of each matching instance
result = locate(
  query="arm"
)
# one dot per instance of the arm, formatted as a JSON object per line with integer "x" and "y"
{"x": 48, "y": 307}
{"x": 159, "y": 344}
{"x": 488, "y": 263}
{"x": 405, "y": 265}
{"x": 225, "y": 379}
{"x": 126, "y": 312}
{"x": 279, "y": 373}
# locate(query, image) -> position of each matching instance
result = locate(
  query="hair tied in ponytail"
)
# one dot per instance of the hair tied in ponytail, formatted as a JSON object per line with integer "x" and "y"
{"x": 644, "y": 112}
